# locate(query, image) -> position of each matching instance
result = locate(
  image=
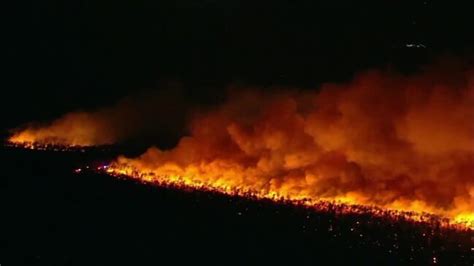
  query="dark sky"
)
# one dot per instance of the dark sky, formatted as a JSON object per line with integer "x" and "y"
{"x": 64, "y": 55}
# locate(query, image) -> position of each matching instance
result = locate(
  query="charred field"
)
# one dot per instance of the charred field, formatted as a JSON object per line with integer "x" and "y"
{"x": 64, "y": 218}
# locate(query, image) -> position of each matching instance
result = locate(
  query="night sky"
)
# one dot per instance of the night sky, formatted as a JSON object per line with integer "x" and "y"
{"x": 62, "y": 56}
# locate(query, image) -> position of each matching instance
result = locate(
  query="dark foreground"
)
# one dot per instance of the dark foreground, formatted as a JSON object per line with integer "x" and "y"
{"x": 56, "y": 217}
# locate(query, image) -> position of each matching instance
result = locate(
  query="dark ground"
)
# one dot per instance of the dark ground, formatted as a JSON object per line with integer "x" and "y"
{"x": 60, "y": 218}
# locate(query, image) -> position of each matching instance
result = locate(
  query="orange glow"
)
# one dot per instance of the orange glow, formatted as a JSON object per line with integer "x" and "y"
{"x": 404, "y": 144}
{"x": 140, "y": 114}
{"x": 171, "y": 176}
{"x": 74, "y": 129}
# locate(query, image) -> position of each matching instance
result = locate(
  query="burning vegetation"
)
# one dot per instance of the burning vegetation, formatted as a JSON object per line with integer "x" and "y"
{"x": 136, "y": 116}
{"x": 391, "y": 142}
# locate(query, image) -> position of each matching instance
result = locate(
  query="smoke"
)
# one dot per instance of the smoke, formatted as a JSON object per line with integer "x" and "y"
{"x": 146, "y": 114}
{"x": 404, "y": 142}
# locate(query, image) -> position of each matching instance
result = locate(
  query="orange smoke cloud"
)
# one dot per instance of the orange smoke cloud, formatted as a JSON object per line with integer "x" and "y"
{"x": 403, "y": 143}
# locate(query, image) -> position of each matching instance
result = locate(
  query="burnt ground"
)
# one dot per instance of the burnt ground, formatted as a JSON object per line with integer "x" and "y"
{"x": 56, "y": 217}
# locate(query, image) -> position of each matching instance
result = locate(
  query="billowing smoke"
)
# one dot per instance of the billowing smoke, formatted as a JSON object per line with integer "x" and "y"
{"x": 387, "y": 140}
{"x": 143, "y": 115}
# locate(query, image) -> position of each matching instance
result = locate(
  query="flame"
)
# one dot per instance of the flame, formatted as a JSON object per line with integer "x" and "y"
{"x": 417, "y": 211}
{"x": 393, "y": 143}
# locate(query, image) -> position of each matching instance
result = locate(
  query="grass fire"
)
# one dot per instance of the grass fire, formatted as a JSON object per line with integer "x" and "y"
{"x": 385, "y": 141}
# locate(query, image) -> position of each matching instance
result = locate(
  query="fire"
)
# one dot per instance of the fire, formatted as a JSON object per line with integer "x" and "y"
{"x": 394, "y": 143}
{"x": 142, "y": 114}
{"x": 75, "y": 129}
{"x": 402, "y": 144}
{"x": 349, "y": 203}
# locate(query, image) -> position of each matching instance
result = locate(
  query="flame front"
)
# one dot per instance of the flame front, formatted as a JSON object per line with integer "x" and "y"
{"x": 231, "y": 182}
{"x": 404, "y": 145}
{"x": 392, "y": 142}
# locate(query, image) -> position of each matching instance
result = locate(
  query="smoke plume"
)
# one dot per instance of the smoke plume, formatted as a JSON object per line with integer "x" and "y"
{"x": 387, "y": 140}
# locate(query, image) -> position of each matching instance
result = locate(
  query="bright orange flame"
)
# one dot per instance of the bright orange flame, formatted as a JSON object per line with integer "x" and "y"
{"x": 227, "y": 183}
